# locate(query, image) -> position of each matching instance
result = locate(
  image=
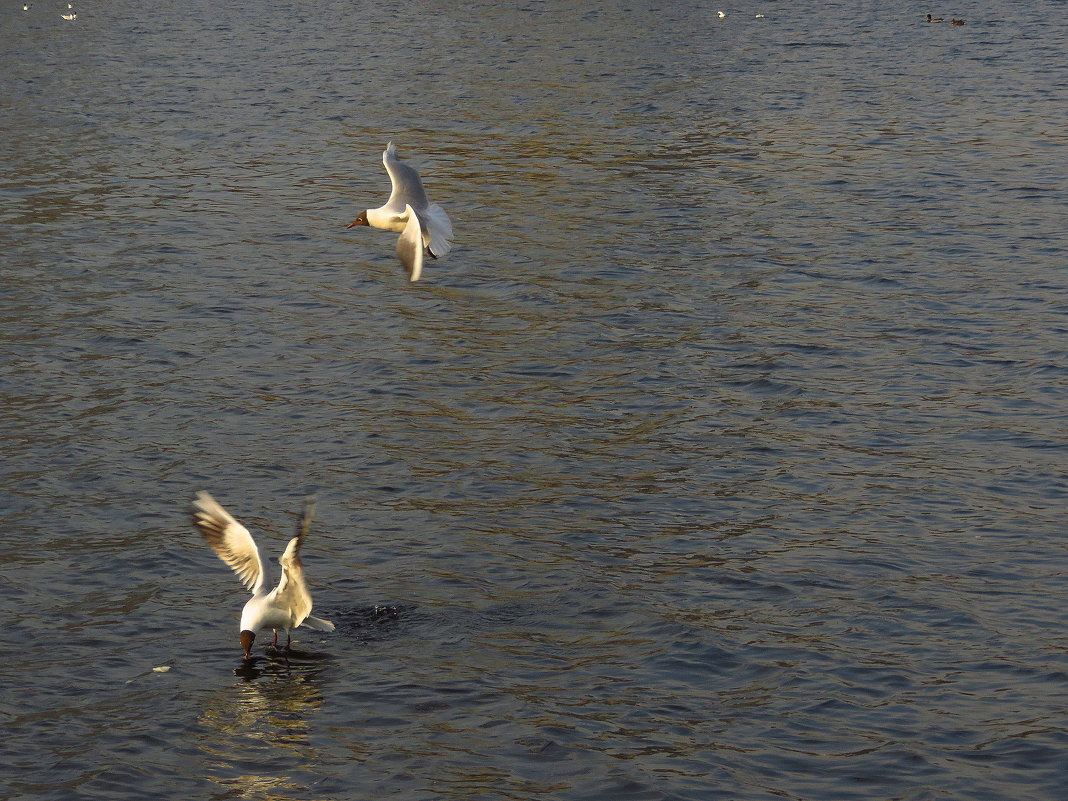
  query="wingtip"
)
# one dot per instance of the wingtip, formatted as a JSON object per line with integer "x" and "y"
{"x": 304, "y": 524}
{"x": 205, "y": 506}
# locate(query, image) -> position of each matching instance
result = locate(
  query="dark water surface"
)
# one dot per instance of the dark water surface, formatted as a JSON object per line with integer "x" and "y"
{"x": 724, "y": 457}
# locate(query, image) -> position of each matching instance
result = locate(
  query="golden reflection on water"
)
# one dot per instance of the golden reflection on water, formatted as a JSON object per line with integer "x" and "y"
{"x": 263, "y": 720}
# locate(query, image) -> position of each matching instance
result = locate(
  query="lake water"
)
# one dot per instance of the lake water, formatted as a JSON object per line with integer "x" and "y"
{"x": 723, "y": 458}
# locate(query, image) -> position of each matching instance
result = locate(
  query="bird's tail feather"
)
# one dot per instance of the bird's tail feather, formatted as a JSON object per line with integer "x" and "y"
{"x": 318, "y": 624}
{"x": 440, "y": 228}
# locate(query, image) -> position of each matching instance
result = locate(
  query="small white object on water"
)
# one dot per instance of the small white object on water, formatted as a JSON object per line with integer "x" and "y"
{"x": 720, "y": 14}
{"x": 760, "y": 16}
{"x": 160, "y": 669}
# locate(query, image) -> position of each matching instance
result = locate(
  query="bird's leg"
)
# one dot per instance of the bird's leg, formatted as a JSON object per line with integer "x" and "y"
{"x": 289, "y": 639}
{"x": 275, "y": 637}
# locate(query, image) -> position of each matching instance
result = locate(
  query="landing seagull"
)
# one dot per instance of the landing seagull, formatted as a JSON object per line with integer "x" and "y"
{"x": 286, "y": 606}
{"x": 422, "y": 225}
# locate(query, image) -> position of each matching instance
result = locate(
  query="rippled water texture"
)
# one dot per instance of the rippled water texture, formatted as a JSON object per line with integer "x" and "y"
{"x": 723, "y": 458}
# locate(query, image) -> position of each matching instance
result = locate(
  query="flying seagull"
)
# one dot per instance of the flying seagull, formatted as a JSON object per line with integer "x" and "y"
{"x": 423, "y": 226}
{"x": 286, "y": 606}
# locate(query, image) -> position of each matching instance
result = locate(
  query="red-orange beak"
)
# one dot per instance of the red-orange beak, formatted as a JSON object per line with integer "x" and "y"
{"x": 361, "y": 220}
{"x": 247, "y": 638}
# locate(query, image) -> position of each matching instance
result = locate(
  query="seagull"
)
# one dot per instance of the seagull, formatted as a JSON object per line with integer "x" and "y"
{"x": 71, "y": 15}
{"x": 25, "y": 6}
{"x": 720, "y": 14}
{"x": 420, "y": 223}
{"x": 286, "y": 606}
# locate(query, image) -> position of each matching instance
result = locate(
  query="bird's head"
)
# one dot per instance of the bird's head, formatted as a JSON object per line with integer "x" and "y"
{"x": 247, "y": 638}
{"x": 361, "y": 220}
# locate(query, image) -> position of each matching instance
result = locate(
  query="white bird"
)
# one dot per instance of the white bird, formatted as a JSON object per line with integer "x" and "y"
{"x": 25, "y": 6}
{"x": 720, "y": 14}
{"x": 71, "y": 15}
{"x": 286, "y": 606}
{"x": 422, "y": 225}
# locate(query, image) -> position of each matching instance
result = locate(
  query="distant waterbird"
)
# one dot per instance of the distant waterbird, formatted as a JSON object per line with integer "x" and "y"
{"x": 287, "y": 605}
{"x": 423, "y": 226}
{"x": 720, "y": 14}
{"x": 934, "y": 19}
{"x": 956, "y": 22}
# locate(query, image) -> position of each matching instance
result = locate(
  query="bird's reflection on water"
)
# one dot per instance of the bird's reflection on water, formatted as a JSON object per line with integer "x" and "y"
{"x": 264, "y": 719}
{"x": 278, "y": 660}
{"x": 256, "y": 739}
{"x": 273, "y": 691}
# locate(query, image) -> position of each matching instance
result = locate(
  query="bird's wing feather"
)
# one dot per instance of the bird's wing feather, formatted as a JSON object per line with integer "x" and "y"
{"x": 410, "y": 245}
{"x": 407, "y": 186}
{"x": 292, "y": 592}
{"x": 231, "y": 541}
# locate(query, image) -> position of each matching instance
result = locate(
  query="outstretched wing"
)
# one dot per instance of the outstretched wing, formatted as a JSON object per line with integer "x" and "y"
{"x": 292, "y": 592}
{"x": 407, "y": 186}
{"x": 410, "y": 245}
{"x": 231, "y": 542}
